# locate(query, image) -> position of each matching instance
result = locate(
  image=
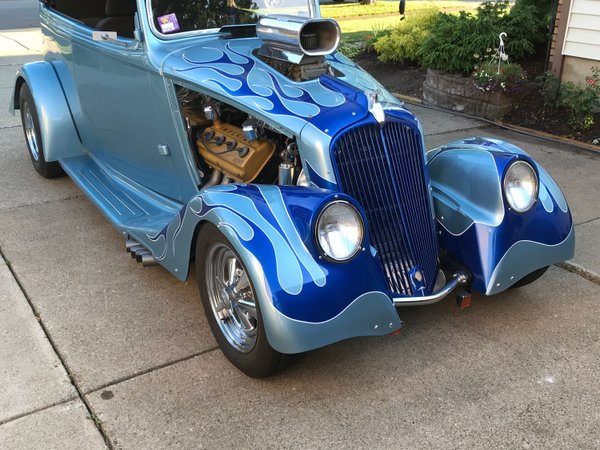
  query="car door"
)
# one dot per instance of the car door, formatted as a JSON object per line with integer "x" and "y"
{"x": 112, "y": 94}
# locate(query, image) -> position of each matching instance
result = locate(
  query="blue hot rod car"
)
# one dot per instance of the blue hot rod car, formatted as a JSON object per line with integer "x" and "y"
{"x": 232, "y": 133}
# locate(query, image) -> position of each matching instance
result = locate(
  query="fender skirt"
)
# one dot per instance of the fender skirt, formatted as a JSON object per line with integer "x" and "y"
{"x": 476, "y": 226}
{"x": 306, "y": 302}
{"x": 59, "y": 135}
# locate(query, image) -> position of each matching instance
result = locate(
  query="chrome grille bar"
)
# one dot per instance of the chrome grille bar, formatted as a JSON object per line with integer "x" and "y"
{"x": 383, "y": 167}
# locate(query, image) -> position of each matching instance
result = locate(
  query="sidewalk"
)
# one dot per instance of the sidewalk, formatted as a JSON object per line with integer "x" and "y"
{"x": 98, "y": 352}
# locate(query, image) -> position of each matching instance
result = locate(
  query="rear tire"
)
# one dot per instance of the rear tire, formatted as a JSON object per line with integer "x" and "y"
{"x": 33, "y": 137}
{"x": 230, "y": 304}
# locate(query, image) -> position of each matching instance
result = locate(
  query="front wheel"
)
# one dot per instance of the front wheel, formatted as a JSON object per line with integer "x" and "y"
{"x": 31, "y": 128}
{"x": 230, "y": 304}
{"x": 530, "y": 278}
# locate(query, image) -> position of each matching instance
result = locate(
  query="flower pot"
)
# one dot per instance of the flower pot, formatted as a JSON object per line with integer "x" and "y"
{"x": 458, "y": 93}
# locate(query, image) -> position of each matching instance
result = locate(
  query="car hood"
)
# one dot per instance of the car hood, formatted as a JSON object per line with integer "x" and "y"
{"x": 228, "y": 70}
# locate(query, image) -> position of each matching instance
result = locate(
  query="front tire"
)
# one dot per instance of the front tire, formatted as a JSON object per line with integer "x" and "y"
{"x": 230, "y": 304}
{"x": 33, "y": 137}
{"x": 530, "y": 278}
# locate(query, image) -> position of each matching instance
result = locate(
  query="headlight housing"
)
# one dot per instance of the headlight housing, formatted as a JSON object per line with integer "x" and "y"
{"x": 339, "y": 231}
{"x": 521, "y": 186}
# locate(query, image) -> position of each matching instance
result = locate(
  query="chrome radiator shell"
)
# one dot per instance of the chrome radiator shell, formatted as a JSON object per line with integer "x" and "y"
{"x": 383, "y": 167}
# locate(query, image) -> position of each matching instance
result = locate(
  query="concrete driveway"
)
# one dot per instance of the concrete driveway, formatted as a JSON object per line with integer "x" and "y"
{"x": 97, "y": 352}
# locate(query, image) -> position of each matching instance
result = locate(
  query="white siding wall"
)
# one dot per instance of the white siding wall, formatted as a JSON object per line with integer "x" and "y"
{"x": 583, "y": 30}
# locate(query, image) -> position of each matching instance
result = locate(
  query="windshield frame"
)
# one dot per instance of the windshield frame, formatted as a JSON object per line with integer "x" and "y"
{"x": 314, "y": 11}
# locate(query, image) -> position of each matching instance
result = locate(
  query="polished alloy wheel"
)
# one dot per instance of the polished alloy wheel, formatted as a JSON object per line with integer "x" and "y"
{"x": 30, "y": 133}
{"x": 231, "y": 297}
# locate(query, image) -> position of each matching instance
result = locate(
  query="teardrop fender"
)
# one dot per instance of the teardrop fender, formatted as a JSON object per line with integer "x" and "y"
{"x": 59, "y": 135}
{"x": 477, "y": 227}
{"x": 306, "y": 302}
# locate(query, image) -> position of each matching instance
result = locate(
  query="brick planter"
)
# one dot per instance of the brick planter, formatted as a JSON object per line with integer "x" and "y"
{"x": 458, "y": 93}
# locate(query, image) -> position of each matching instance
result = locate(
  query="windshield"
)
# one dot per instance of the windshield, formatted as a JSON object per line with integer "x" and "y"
{"x": 180, "y": 16}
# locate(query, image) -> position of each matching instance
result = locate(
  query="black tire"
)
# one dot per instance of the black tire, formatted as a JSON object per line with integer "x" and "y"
{"x": 33, "y": 137}
{"x": 528, "y": 279}
{"x": 250, "y": 353}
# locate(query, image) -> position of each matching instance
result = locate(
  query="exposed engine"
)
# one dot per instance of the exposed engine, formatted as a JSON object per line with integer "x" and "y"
{"x": 231, "y": 146}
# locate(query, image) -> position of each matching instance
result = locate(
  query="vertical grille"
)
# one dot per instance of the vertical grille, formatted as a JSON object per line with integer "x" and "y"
{"x": 383, "y": 168}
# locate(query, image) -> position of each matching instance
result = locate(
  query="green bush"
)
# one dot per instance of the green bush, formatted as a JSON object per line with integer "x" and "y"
{"x": 404, "y": 42}
{"x": 455, "y": 42}
{"x": 581, "y": 101}
{"x": 550, "y": 86}
{"x": 351, "y": 49}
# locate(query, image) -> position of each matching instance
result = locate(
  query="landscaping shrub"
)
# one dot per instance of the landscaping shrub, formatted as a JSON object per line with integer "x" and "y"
{"x": 550, "y": 86}
{"x": 581, "y": 101}
{"x": 455, "y": 41}
{"x": 351, "y": 49}
{"x": 404, "y": 42}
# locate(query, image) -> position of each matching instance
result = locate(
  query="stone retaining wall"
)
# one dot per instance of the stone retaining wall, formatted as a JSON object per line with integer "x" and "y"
{"x": 458, "y": 93}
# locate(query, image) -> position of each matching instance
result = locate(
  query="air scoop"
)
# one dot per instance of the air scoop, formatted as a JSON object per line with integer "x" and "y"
{"x": 297, "y": 40}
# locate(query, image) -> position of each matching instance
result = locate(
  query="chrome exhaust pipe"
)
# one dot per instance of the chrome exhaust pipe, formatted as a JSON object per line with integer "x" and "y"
{"x": 148, "y": 260}
{"x": 135, "y": 249}
{"x": 215, "y": 178}
{"x": 129, "y": 243}
{"x": 140, "y": 254}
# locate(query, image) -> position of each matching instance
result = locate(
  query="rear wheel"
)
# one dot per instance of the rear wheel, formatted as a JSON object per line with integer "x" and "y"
{"x": 230, "y": 304}
{"x": 31, "y": 128}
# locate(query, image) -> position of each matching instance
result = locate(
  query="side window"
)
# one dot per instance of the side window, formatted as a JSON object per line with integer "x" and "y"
{"x": 104, "y": 15}
{"x": 119, "y": 17}
{"x": 89, "y": 12}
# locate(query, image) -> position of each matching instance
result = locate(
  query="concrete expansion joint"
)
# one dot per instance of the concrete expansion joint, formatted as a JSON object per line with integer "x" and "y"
{"x": 15, "y": 41}
{"x": 476, "y": 127}
{"x": 80, "y": 394}
{"x": 37, "y": 410}
{"x": 152, "y": 369}
{"x": 27, "y": 205}
{"x": 577, "y": 269}
{"x": 586, "y": 221}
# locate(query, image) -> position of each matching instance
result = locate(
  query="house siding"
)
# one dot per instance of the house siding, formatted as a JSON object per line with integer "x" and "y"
{"x": 582, "y": 39}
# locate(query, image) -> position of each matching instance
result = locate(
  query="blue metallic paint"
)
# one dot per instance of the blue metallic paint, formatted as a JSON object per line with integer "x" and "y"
{"x": 59, "y": 135}
{"x": 274, "y": 224}
{"x": 477, "y": 226}
{"x": 306, "y": 301}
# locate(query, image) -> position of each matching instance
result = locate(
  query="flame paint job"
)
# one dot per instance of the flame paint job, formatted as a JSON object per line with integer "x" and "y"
{"x": 90, "y": 95}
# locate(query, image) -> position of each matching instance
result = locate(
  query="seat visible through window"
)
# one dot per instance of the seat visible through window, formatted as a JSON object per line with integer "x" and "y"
{"x": 119, "y": 17}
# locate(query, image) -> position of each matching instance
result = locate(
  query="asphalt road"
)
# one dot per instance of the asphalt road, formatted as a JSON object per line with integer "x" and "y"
{"x": 98, "y": 352}
{"x": 18, "y": 14}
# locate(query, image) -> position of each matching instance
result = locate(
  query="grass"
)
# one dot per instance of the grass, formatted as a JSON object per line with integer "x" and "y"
{"x": 385, "y": 15}
{"x": 349, "y": 10}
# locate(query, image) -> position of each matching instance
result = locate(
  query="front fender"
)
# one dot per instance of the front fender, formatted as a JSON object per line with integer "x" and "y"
{"x": 59, "y": 135}
{"x": 306, "y": 301}
{"x": 478, "y": 229}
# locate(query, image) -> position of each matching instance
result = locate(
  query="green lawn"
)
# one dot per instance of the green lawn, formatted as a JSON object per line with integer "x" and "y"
{"x": 343, "y": 10}
{"x": 356, "y": 24}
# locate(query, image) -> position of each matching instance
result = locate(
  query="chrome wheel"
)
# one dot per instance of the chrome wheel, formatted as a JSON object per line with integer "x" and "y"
{"x": 231, "y": 297}
{"x": 30, "y": 132}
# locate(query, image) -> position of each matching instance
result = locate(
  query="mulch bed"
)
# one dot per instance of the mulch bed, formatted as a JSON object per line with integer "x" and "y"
{"x": 530, "y": 112}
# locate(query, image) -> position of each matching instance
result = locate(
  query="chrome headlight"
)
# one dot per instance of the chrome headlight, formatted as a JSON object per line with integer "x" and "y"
{"x": 520, "y": 186}
{"x": 339, "y": 231}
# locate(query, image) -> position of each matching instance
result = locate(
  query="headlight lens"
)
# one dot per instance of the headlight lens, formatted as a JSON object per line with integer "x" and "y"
{"x": 339, "y": 231}
{"x": 520, "y": 186}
